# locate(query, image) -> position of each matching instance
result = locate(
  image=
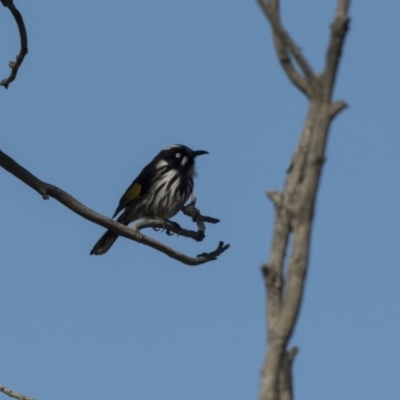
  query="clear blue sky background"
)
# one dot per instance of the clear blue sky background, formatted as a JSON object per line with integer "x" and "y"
{"x": 104, "y": 87}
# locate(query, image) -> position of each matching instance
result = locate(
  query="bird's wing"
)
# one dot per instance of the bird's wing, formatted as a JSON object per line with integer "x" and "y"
{"x": 138, "y": 188}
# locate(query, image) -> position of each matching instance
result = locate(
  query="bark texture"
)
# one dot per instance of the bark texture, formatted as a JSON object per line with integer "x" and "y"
{"x": 285, "y": 275}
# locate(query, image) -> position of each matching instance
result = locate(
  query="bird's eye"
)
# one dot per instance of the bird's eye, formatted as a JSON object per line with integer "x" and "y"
{"x": 178, "y": 155}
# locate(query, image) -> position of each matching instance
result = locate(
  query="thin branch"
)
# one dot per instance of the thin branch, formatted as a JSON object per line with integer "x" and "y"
{"x": 14, "y": 65}
{"x": 13, "y": 394}
{"x": 339, "y": 29}
{"x": 23, "y": 174}
{"x": 47, "y": 190}
{"x": 286, "y": 48}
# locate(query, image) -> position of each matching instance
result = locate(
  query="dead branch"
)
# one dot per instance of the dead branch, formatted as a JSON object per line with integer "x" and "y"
{"x": 294, "y": 207}
{"x": 47, "y": 190}
{"x": 14, "y": 65}
{"x": 287, "y": 49}
{"x": 13, "y": 394}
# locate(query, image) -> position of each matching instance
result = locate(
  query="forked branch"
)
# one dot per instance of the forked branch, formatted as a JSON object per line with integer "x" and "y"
{"x": 285, "y": 275}
{"x": 47, "y": 190}
{"x": 287, "y": 50}
{"x": 14, "y": 65}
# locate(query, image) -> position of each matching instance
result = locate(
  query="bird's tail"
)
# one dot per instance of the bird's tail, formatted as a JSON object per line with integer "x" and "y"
{"x": 104, "y": 243}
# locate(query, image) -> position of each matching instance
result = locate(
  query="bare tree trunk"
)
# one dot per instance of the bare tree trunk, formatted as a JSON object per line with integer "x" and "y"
{"x": 295, "y": 205}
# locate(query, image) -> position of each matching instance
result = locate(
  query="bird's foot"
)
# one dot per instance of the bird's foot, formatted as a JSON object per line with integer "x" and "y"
{"x": 177, "y": 226}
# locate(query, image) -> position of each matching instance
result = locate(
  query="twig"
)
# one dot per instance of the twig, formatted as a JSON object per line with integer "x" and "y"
{"x": 14, "y": 65}
{"x": 47, "y": 190}
{"x": 213, "y": 255}
{"x": 13, "y": 394}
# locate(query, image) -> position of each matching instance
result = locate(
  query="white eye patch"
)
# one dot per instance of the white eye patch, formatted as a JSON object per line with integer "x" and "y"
{"x": 178, "y": 155}
{"x": 184, "y": 161}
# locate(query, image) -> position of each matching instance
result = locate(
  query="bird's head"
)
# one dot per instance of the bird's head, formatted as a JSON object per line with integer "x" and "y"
{"x": 178, "y": 157}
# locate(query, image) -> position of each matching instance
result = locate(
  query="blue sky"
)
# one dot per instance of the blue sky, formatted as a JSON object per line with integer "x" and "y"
{"x": 101, "y": 91}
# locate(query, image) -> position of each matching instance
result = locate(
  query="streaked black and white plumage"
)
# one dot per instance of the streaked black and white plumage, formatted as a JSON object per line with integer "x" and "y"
{"x": 159, "y": 191}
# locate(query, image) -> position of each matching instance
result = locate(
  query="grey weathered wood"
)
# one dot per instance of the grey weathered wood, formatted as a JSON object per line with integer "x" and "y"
{"x": 295, "y": 205}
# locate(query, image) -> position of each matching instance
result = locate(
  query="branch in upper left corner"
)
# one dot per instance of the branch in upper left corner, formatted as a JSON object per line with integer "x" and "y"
{"x": 14, "y": 65}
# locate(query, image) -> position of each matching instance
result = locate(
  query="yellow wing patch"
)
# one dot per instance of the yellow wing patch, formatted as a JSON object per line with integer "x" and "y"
{"x": 132, "y": 193}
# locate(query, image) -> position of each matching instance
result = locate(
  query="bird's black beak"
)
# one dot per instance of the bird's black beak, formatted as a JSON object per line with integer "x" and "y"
{"x": 199, "y": 153}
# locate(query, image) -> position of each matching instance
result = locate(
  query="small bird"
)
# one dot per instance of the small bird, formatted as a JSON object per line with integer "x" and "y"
{"x": 159, "y": 191}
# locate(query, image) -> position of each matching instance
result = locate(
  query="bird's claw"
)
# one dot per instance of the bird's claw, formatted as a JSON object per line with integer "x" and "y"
{"x": 178, "y": 228}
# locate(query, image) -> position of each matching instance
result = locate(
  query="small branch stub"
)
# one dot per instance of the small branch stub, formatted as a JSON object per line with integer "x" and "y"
{"x": 276, "y": 198}
{"x": 337, "y": 107}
